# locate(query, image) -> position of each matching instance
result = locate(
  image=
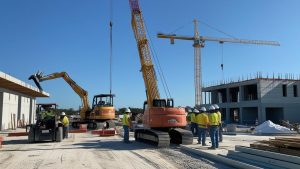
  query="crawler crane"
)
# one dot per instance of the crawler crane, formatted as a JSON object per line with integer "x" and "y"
{"x": 163, "y": 123}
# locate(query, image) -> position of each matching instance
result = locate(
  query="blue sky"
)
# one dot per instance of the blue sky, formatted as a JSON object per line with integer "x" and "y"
{"x": 73, "y": 36}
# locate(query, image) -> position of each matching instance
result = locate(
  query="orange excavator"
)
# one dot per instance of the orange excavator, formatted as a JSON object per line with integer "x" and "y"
{"x": 163, "y": 123}
{"x": 102, "y": 112}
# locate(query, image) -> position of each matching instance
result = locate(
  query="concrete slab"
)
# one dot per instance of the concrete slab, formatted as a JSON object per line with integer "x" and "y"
{"x": 14, "y": 84}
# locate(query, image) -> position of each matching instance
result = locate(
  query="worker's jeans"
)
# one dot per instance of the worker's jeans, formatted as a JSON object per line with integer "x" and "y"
{"x": 126, "y": 133}
{"x": 65, "y": 131}
{"x": 214, "y": 136}
{"x": 201, "y": 135}
{"x": 194, "y": 128}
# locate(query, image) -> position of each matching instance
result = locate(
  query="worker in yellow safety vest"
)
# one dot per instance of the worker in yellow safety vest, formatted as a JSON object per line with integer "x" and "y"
{"x": 220, "y": 122}
{"x": 213, "y": 127}
{"x": 194, "y": 126}
{"x": 126, "y": 124}
{"x": 188, "y": 115}
{"x": 65, "y": 121}
{"x": 202, "y": 121}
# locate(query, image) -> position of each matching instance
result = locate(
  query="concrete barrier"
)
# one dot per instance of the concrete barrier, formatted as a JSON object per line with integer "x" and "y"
{"x": 224, "y": 160}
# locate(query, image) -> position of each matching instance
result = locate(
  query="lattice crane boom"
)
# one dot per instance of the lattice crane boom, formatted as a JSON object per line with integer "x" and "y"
{"x": 147, "y": 67}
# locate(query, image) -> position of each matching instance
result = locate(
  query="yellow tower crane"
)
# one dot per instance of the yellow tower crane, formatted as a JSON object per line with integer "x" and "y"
{"x": 199, "y": 42}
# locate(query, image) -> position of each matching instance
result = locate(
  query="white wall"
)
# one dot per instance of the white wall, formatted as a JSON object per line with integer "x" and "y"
{"x": 9, "y": 110}
{"x": 32, "y": 111}
{"x": 11, "y": 103}
{"x": 25, "y": 109}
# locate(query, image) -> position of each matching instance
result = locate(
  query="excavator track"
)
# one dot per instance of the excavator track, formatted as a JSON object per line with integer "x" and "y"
{"x": 156, "y": 137}
{"x": 180, "y": 136}
{"x": 162, "y": 138}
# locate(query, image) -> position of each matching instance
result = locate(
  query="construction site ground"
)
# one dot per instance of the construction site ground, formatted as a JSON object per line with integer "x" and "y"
{"x": 84, "y": 150}
{"x": 89, "y": 151}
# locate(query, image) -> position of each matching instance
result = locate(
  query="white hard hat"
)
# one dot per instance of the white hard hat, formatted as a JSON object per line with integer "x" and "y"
{"x": 196, "y": 110}
{"x": 211, "y": 107}
{"x": 63, "y": 114}
{"x": 203, "y": 109}
{"x": 216, "y": 106}
{"x": 127, "y": 110}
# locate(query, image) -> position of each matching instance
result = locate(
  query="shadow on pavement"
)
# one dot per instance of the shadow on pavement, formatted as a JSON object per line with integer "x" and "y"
{"x": 114, "y": 145}
{"x": 106, "y": 145}
{"x": 8, "y": 142}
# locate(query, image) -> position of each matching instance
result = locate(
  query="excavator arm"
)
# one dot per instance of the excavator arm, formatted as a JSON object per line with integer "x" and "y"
{"x": 83, "y": 94}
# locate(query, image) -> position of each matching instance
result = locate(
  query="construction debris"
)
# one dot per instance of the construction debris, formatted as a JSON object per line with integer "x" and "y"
{"x": 268, "y": 127}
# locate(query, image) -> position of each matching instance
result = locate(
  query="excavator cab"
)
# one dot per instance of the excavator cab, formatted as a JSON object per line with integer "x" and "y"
{"x": 103, "y": 100}
{"x": 103, "y": 107}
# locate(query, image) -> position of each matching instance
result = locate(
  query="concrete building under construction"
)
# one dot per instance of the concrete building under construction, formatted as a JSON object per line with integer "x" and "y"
{"x": 256, "y": 100}
{"x": 17, "y": 102}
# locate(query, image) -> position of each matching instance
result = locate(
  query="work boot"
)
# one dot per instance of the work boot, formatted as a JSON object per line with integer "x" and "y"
{"x": 212, "y": 148}
{"x": 204, "y": 144}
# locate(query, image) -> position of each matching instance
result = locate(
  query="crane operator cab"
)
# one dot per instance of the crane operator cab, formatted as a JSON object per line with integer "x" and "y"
{"x": 160, "y": 103}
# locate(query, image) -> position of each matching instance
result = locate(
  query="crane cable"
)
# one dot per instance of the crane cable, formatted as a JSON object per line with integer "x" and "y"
{"x": 111, "y": 46}
{"x": 156, "y": 60}
{"x": 216, "y": 29}
{"x": 222, "y": 59}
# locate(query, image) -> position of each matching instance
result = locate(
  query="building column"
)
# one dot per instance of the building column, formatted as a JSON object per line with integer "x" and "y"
{"x": 227, "y": 96}
{"x": 240, "y": 115}
{"x": 1, "y": 109}
{"x": 241, "y": 94}
{"x": 227, "y": 115}
{"x": 261, "y": 114}
{"x": 30, "y": 112}
{"x": 19, "y": 107}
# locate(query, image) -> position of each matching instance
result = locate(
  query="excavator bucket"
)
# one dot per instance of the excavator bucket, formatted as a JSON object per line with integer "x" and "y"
{"x": 36, "y": 78}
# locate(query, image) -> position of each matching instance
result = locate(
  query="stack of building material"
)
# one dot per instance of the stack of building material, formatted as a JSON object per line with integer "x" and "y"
{"x": 264, "y": 159}
{"x": 284, "y": 145}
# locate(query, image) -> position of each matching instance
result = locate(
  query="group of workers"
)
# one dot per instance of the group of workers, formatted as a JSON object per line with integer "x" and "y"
{"x": 203, "y": 121}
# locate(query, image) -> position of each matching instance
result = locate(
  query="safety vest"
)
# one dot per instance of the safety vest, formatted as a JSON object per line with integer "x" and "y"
{"x": 213, "y": 119}
{"x": 125, "y": 120}
{"x": 193, "y": 118}
{"x": 202, "y": 120}
{"x": 219, "y": 116}
{"x": 65, "y": 121}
